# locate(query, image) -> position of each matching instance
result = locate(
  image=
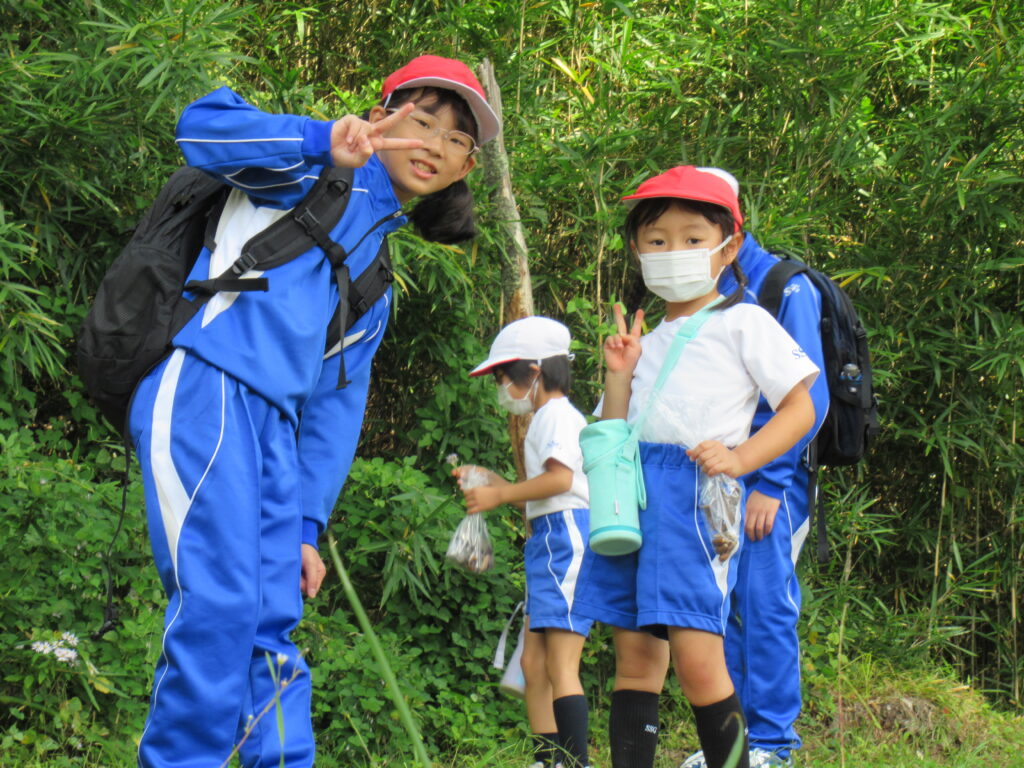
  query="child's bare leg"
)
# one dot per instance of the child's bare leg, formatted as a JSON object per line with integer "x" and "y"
{"x": 539, "y": 710}
{"x": 641, "y": 661}
{"x": 571, "y": 713}
{"x": 699, "y": 660}
{"x": 641, "y": 664}
{"x": 564, "y": 649}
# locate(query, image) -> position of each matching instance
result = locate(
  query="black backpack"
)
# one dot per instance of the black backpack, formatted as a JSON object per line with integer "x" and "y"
{"x": 139, "y": 306}
{"x": 852, "y": 420}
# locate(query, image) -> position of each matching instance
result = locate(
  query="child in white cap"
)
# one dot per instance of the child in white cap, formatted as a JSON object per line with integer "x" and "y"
{"x": 529, "y": 360}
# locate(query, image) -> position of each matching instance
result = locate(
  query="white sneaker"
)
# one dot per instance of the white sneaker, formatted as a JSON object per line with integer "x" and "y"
{"x": 764, "y": 758}
{"x": 696, "y": 760}
{"x": 538, "y": 764}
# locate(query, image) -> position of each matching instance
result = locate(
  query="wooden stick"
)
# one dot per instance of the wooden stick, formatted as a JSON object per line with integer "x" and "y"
{"x": 520, "y": 302}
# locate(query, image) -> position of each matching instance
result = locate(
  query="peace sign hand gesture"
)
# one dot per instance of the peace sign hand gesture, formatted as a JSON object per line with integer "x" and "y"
{"x": 622, "y": 349}
{"x": 354, "y": 140}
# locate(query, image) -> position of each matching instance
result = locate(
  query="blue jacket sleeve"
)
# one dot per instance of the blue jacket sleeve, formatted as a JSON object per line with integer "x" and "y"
{"x": 275, "y": 159}
{"x": 800, "y": 315}
{"x": 329, "y": 430}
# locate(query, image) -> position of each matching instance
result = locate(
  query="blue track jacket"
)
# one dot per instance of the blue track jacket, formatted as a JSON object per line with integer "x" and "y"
{"x": 274, "y": 341}
{"x": 800, "y": 315}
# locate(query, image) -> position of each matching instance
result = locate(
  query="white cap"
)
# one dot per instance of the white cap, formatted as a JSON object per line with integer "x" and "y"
{"x": 531, "y": 338}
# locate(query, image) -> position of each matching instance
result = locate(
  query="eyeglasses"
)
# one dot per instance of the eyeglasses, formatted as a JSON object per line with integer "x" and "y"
{"x": 424, "y": 126}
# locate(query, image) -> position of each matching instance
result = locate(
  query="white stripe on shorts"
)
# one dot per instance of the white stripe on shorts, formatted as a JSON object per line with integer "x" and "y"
{"x": 567, "y": 585}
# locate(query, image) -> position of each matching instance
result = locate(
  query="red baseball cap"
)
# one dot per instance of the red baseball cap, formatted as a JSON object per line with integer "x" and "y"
{"x": 452, "y": 74}
{"x": 687, "y": 182}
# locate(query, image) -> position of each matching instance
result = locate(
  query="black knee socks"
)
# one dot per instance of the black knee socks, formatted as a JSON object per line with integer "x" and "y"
{"x": 633, "y": 729}
{"x": 571, "y": 717}
{"x": 719, "y": 725}
{"x": 544, "y": 747}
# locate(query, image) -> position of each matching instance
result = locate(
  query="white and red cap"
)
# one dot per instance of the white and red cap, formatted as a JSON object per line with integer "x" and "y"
{"x": 439, "y": 72}
{"x": 530, "y": 338}
{"x": 687, "y": 182}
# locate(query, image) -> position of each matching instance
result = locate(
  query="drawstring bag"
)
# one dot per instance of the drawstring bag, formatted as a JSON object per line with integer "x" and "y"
{"x": 611, "y": 461}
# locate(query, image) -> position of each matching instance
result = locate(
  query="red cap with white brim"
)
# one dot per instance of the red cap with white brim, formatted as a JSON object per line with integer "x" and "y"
{"x": 439, "y": 72}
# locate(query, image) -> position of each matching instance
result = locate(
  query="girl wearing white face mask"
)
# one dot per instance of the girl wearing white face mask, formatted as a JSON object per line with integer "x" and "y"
{"x": 685, "y": 228}
{"x": 530, "y": 362}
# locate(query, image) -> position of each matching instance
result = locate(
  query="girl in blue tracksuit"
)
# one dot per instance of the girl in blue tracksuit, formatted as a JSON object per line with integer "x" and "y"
{"x": 244, "y": 434}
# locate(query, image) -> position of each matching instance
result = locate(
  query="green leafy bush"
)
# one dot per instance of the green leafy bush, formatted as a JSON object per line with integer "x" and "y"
{"x": 881, "y": 140}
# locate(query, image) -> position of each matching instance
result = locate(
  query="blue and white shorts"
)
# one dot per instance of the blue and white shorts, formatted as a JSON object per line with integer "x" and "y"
{"x": 681, "y": 581}
{"x": 556, "y": 554}
{"x": 675, "y": 579}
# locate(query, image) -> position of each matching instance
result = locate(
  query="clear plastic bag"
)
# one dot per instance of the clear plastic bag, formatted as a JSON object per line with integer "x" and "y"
{"x": 721, "y": 500}
{"x": 720, "y": 497}
{"x": 471, "y": 545}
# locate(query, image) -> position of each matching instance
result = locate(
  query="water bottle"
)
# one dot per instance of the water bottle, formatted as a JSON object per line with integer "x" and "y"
{"x": 851, "y": 373}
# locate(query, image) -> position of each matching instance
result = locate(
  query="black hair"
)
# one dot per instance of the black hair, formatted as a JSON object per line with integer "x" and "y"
{"x": 434, "y": 100}
{"x": 445, "y": 216}
{"x": 649, "y": 210}
{"x": 555, "y": 372}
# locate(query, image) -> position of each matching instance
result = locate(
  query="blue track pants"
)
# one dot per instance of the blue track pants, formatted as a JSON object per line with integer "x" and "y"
{"x": 219, "y": 467}
{"x": 761, "y": 645}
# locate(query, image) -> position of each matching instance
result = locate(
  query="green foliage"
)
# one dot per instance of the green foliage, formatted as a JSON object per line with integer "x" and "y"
{"x": 436, "y": 623}
{"x": 881, "y": 140}
{"x": 57, "y": 518}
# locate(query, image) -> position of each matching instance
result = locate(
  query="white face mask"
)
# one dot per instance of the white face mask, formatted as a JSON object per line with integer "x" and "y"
{"x": 517, "y": 406}
{"x": 681, "y": 275}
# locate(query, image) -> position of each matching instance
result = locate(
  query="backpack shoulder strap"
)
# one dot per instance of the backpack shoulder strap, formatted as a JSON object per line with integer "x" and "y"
{"x": 363, "y": 293}
{"x": 311, "y": 220}
{"x": 308, "y": 224}
{"x": 770, "y": 294}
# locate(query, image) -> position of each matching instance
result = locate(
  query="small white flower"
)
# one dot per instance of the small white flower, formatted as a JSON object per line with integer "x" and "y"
{"x": 43, "y": 648}
{"x": 70, "y": 639}
{"x": 66, "y": 655}
{"x": 282, "y": 659}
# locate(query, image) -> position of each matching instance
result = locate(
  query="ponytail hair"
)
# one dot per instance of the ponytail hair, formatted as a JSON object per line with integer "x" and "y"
{"x": 446, "y": 216}
{"x": 736, "y": 297}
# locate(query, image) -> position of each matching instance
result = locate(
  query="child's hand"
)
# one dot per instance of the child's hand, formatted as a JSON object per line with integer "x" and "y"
{"x": 481, "y": 499}
{"x": 714, "y": 458}
{"x": 313, "y": 571}
{"x": 622, "y": 350}
{"x": 354, "y": 140}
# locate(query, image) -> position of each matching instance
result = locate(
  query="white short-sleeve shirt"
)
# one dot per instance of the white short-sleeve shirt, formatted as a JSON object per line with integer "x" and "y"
{"x": 554, "y": 433}
{"x": 712, "y": 392}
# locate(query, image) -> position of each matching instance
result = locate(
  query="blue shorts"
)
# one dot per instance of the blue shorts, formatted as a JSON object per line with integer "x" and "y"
{"x": 607, "y": 590}
{"x": 556, "y": 555}
{"x": 675, "y": 579}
